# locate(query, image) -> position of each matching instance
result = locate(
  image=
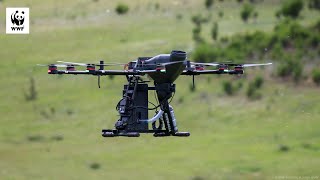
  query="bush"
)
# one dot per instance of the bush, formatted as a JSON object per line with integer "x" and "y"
{"x": 297, "y": 72}
{"x": 32, "y": 94}
{"x": 221, "y": 13}
{"x": 179, "y": 16}
{"x": 35, "y": 138}
{"x": 290, "y": 67}
{"x": 122, "y": 8}
{"x": 252, "y": 92}
{"x": 246, "y": 12}
{"x": 228, "y": 88}
{"x": 283, "y": 148}
{"x": 258, "y": 82}
{"x": 316, "y": 76}
{"x": 198, "y": 19}
{"x": 214, "y": 31}
{"x": 207, "y": 53}
{"x": 314, "y": 4}
{"x": 157, "y": 6}
{"x": 95, "y": 166}
{"x": 291, "y": 8}
{"x": 208, "y": 3}
{"x": 196, "y": 34}
{"x": 255, "y": 15}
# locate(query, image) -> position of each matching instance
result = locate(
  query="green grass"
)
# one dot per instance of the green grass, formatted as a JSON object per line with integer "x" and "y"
{"x": 231, "y": 137}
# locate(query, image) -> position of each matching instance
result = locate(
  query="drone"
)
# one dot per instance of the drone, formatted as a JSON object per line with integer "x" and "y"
{"x": 163, "y": 70}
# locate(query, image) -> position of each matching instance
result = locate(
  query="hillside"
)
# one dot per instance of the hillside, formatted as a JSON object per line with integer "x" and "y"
{"x": 57, "y": 135}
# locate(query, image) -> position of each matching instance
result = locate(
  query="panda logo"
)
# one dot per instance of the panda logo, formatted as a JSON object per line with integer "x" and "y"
{"x": 17, "y": 18}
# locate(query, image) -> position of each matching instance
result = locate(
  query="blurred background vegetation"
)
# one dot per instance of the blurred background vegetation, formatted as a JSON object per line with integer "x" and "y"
{"x": 262, "y": 125}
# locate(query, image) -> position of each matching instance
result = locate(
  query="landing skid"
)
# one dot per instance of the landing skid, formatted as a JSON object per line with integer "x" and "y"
{"x": 156, "y": 133}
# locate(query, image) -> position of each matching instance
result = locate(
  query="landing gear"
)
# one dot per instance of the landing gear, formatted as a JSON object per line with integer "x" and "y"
{"x": 133, "y": 110}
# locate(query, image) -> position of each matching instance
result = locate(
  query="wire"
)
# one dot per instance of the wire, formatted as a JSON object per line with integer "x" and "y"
{"x": 152, "y": 103}
{"x": 155, "y": 97}
{"x": 171, "y": 97}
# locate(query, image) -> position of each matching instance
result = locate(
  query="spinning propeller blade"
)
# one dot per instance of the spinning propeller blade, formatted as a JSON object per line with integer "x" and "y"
{"x": 252, "y": 65}
{"x": 205, "y": 64}
{"x": 230, "y": 64}
{"x": 86, "y": 64}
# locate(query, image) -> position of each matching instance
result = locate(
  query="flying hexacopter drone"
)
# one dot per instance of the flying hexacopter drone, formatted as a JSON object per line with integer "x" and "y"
{"x": 133, "y": 108}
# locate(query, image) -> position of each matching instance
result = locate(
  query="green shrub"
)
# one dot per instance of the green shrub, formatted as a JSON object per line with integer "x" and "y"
{"x": 314, "y": 4}
{"x": 291, "y": 8}
{"x": 198, "y": 19}
{"x": 278, "y": 14}
{"x": 228, "y": 88}
{"x": 32, "y": 94}
{"x": 196, "y": 34}
{"x": 283, "y": 148}
{"x": 252, "y": 92}
{"x": 179, "y": 16}
{"x": 208, "y": 3}
{"x": 239, "y": 85}
{"x": 157, "y": 6}
{"x": 214, "y": 31}
{"x": 122, "y": 8}
{"x": 35, "y": 138}
{"x": 297, "y": 72}
{"x": 290, "y": 67}
{"x": 221, "y": 14}
{"x": 258, "y": 82}
{"x": 95, "y": 166}
{"x": 283, "y": 70}
{"x": 57, "y": 137}
{"x": 224, "y": 39}
{"x": 255, "y": 15}
{"x": 207, "y": 53}
{"x": 316, "y": 76}
{"x": 246, "y": 12}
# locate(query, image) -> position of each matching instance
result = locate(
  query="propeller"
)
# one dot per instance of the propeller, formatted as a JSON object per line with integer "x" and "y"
{"x": 252, "y": 65}
{"x": 86, "y": 64}
{"x": 230, "y": 64}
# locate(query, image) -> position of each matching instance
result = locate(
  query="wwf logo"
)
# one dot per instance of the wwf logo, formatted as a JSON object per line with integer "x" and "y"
{"x": 17, "y": 18}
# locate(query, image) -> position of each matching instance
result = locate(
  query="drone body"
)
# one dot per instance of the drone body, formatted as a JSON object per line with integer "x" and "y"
{"x": 133, "y": 108}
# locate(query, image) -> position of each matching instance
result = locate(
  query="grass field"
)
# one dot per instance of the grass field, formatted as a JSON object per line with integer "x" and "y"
{"x": 57, "y": 136}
